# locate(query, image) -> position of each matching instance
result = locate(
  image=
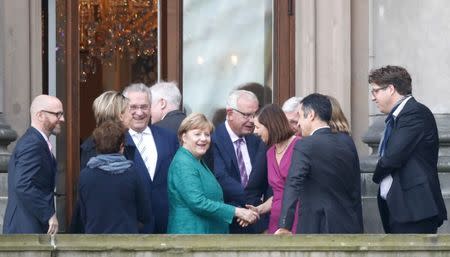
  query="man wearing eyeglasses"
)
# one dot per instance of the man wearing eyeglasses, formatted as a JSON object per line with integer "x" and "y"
{"x": 409, "y": 198}
{"x": 32, "y": 171}
{"x": 238, "y": 158}
{"x": 153, "y": 148}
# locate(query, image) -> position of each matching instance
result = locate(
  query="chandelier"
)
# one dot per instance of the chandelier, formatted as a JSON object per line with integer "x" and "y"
{"x": 111, "y": 29}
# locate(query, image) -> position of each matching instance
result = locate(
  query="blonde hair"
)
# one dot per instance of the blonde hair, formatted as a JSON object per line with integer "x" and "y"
{"x": 338, "y": 122}
{"x": 109, "y": 106}
{"x": 194, "y": 121}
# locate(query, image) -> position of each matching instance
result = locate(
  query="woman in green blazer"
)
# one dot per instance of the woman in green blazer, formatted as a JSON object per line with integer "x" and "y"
{"x": 195, "y": 197}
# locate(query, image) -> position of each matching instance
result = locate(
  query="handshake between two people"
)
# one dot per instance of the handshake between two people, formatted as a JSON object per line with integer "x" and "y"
{"x": 247, "y": 216}
{"x": 251, "y": 214}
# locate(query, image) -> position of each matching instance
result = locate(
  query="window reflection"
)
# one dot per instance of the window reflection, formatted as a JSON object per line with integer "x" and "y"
{"x": 225, "y": 44}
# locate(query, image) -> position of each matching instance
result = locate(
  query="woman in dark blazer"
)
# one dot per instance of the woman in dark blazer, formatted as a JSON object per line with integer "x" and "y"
{"x": 112, "y": 198}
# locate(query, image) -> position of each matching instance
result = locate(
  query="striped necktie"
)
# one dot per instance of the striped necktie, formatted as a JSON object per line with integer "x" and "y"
{"x": 241, "y": 163}
{"x": 143, "y": 150}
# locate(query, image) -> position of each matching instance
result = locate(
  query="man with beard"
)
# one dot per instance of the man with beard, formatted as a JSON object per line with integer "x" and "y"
{"x": 32, "y": 171}
{"x": 238, "y": 158}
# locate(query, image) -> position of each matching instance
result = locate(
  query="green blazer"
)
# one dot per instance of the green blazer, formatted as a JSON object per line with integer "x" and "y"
{"x": 195, "y": 198}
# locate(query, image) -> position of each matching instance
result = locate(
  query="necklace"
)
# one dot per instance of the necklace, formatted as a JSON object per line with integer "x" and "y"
{"x": 284, "y": 146}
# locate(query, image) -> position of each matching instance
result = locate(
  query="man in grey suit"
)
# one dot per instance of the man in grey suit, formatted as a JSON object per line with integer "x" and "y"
{"x": 32, "y": 171}
{"x": 324, "y": 176}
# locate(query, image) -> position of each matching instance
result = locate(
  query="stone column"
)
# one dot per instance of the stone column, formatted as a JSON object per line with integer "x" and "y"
{"x": 413, "y": 34}
{"x": 20, "y": 76}
{"x": 7, "y": 135}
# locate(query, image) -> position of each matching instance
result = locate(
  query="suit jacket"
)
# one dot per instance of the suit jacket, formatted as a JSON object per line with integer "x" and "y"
{"x": 172, "y": 121}
{"x": 325, "y": 178}
{"x": 166, "y": 145}
{"x": 222, "y": 160}
{"x": 195, "y": 198}
{"x": 31, "y": 185}
{"x": 411, "y": 156}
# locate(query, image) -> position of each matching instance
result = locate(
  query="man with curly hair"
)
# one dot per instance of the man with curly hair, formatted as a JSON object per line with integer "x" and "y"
{"x": 410, "y": 198}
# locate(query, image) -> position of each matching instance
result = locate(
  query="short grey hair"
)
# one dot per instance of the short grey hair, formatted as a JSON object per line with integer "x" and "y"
{"x": 167, "y": 91}
{"x": 292, "y": 104}
{"x": 236, "y": 94}
{"x": 138, "y": 87}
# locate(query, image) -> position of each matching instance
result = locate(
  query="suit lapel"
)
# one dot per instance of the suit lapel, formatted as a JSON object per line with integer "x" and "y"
{"x": 44, "y": 145}
{"x": 138, "y": 162}
{"x": 251, "y": 147}
{"x": 160, "y": 149}
{"x": 224, "y": 141}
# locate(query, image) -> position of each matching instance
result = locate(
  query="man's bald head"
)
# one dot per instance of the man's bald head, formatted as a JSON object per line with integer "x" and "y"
{"x": 43, "y": 102}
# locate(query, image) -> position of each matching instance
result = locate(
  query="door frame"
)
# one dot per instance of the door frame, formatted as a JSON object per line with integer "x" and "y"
{"x": 171, "y": 62}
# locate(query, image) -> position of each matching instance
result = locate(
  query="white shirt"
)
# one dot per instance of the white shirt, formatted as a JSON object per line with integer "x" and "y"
{"x": 151, "y": 151}
{"x": 386, "y": 183}
{"x": 244, "y": 149}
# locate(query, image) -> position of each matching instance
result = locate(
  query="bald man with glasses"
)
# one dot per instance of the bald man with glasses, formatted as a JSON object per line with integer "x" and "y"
{"x": 32, "y": 172}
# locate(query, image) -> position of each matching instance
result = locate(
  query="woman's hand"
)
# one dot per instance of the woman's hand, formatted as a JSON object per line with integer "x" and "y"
{"x": 262, "y": 208}
{"x": 246, "y": 216}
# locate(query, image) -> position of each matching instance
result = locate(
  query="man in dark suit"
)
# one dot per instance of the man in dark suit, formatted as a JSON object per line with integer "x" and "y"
{"x": 324, "y": 176}
{"x": 238, "y": 158}
{"x": 165, "y": 109}
{"x": 32, "y": 171}
{"x": 410, "y": 198}
{"x": 153, "y": 149}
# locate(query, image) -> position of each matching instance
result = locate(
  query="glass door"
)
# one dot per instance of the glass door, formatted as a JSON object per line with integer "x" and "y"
{"x": 226, "y": 45}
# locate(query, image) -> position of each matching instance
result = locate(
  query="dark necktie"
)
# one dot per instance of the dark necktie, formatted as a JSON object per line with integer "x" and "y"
{"x": 387, "y": 133}
{"x": 241, "y": 163}
{"x": 390, "y": 122}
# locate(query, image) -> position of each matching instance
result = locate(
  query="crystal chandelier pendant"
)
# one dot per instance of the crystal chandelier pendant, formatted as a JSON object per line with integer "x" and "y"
{"x": 116, "y": 28}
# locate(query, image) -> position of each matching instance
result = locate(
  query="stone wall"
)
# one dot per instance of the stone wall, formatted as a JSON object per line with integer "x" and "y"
{"x": 233, "y": 246}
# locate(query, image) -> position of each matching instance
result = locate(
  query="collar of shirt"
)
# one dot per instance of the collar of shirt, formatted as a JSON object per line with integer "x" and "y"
{"x": 318, "y": 129}
{"x": 43, "y": 135}
{"x": 400, "y": 106}
{"x": 45, "y": 138}
{"x": 233, "y": 136}
{"x": 146, "y": 131}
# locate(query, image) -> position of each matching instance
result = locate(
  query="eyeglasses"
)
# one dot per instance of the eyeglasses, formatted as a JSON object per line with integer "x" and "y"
{"x": 374, "y": 91}
{"x": 245, "y": 115}
{"x": 144, "y": 107}
{"x": 57, "y": 114}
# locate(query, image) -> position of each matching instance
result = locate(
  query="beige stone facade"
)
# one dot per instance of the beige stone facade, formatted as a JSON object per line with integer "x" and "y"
{"x": 337, "y": 43}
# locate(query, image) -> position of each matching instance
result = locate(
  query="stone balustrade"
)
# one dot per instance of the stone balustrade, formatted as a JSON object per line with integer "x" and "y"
{"x": 65, "y": 245}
